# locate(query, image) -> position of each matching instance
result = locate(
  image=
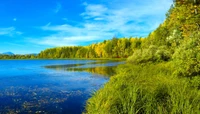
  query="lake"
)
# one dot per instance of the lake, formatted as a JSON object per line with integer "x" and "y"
{"x": 50, "y": 86}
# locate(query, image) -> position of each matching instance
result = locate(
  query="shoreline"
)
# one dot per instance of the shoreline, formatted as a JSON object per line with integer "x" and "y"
{"x": 70, "y": 59}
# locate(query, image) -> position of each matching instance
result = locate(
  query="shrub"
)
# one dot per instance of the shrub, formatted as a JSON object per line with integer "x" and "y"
{"x": 151, "y": 54}
{"x": 187, "y": 58}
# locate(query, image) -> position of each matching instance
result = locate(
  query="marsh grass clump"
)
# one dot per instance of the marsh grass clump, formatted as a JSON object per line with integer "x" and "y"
{"x": 145, "y": 90}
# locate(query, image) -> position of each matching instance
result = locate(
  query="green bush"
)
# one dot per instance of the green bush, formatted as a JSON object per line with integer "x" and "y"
{"x": 152, "y": 54}
{"x": 187, "y": 57}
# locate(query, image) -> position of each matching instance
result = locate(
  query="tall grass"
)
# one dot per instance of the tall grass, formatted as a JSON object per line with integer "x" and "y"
{"x": 146, "y": 89}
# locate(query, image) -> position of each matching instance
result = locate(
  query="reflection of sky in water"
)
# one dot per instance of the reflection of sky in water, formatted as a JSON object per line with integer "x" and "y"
{"x": 26, "y": 86}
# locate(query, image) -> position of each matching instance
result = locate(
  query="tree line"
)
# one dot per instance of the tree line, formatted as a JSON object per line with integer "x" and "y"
{"x": 114, "y": 48}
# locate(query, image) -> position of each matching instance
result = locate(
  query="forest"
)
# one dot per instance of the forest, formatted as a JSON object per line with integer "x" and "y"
{"x": 114, "y": 48}
{"x": 162, "y": 70}
{"x": 162, "y": 76}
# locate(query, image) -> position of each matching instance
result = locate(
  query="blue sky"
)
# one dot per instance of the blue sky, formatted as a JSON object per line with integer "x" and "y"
{"x": 29, "y": 26}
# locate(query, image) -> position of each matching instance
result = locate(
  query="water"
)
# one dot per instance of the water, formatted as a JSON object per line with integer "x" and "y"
{"x": 50, "y": 86}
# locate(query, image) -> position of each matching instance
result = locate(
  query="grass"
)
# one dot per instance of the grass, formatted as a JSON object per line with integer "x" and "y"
{"x": 148, "y": 89}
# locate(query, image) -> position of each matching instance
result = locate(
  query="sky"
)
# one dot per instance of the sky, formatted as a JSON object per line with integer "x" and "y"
{"x": 29, "y": 26}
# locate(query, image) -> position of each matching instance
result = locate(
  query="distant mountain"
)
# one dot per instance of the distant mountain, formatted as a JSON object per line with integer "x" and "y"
{"x": 8, "y": 53}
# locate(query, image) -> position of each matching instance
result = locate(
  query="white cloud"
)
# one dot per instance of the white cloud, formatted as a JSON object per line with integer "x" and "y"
{"x": 65, "y": 19}
{"x": 48, "y": 24}
{"x": 58, "y": 8}
{"x": 67, "y": 35}
{"x": 100, "y": 22}
{"x": 15, "y": 19}
{"x": 64, "y": 41}
{"x": 10, "y": 31}
{"x": 93, "y": 10}
{"x": 14, "y": 44}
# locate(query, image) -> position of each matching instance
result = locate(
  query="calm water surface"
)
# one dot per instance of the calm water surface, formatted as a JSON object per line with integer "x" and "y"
{"x": 50, "y": 86}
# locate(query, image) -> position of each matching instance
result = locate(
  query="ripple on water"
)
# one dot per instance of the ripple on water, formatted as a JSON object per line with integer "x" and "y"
{"x": 50, "y": 86}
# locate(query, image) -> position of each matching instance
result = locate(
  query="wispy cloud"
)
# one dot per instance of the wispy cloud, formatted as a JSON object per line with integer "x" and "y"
{"x": 62, "y": 40}
{"x": 14, "y": 44}
{"x": 58, "y": 8}
{"x": 94, "y": 11}
{"x": 15, "y": 19}
{"x": 67, "y": 35}
{"x": 100, "y": 22}
{"x": 10, "y": 31}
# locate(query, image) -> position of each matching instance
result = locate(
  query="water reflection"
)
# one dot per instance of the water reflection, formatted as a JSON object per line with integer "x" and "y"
{"x": 102, "y": 67}
{"x": 62, "y": 67}
{"x": 104, "y": 71}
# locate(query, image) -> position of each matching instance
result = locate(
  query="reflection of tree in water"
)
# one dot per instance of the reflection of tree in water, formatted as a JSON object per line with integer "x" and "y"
{"x": 63, "y": 67}
{"x": 105, "y": 71}
{"x": 102, "y": 70}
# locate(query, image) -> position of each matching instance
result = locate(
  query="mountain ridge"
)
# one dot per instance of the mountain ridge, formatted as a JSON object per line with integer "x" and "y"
{"x": 8, "y": 53}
